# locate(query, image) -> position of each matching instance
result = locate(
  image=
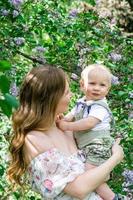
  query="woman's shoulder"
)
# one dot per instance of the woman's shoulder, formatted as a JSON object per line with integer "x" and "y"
{"x": 35, "y": 143}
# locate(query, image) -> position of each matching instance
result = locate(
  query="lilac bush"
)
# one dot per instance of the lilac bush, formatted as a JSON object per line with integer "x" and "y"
{"x": 73, "y": 13}
{"x": 15, "y": 13}
{"x": 130, "y": 116}
{"x": 14, "y": 89}
{"x": 16, "y": 3}
{"x": 19, "y": 40}
{"x": 131, "y": 94}
{"x": 115, "y": 80}
{"x": 115, "y": 57}
{"x": 39, "y": 49}
{"x": 74, "y": 77}
{"x": 128, "y": 182}
{"x": 4, "y": 12}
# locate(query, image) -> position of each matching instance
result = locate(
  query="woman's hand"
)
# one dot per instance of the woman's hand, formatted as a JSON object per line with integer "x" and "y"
{"x": 59, "y": 117}
{"x": 62, "y": 124}
{"x": 118, "y": 150}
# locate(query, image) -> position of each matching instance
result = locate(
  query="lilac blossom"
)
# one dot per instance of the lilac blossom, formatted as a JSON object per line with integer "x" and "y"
{"x": 19, "y": 40}
{"x": 74, "y": 77}
{"x": 39, "y": 49}
{"x": 128, "y": 183}
{"x": 16, "y": 3}
{"x": 98, "y": 2}
{"x": 131, "y": 94}
{"x": 104, "y": 13}
{"x": 13, "y": 89}
{"x": 41, "y": 60}
{"x": 115, "y": 80}
{"x": 15, "y": 13}
{"x": 4, "y": 12}
{"x": 129, "y": 106}
{"x": 130, "y": 116}
{"x": 113, "y": 21}
{"x": 115, "y": 57}
{"x": 84, "y": 51}
{"x": 73, "y": 13}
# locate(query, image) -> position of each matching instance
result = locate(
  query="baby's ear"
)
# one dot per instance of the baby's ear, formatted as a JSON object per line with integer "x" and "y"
{"x": 81, "y": 84}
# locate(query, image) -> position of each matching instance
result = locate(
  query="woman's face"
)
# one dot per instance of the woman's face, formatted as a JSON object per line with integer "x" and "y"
{"x": 64, "y": 101}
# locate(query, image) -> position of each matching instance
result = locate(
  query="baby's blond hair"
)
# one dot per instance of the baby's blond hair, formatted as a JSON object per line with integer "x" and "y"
{"x": 95, "y": 67}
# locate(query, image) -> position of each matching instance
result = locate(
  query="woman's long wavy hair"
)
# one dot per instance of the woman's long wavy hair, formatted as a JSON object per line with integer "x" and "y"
{"x": 39, "y": 96}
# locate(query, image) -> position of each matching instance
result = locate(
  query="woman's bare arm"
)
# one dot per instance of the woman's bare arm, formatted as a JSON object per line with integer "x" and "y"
{"x": 90, "y": 180}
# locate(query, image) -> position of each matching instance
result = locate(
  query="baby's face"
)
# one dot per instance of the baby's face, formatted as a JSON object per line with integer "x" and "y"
{"x": 97, "y": 86}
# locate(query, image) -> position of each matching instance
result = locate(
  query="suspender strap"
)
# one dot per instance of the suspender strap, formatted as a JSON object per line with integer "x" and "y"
{"x": 98, "y": 102}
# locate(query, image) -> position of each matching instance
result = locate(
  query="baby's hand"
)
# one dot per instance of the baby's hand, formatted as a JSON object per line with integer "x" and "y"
{"x": 62, "y": 124}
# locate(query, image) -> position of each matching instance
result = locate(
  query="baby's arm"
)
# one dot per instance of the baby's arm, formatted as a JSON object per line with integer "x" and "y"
{"x": 80, "y": 125}
{"x": 96, "y": 115}
{"x": 69, "y": 117}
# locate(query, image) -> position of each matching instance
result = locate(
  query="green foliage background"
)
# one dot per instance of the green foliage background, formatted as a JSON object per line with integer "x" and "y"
{"x": 71, "y": 35}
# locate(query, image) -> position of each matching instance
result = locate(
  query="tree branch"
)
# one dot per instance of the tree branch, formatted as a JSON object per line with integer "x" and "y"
{"x": 34, "y": 59}
{"x": 30, "y": 57}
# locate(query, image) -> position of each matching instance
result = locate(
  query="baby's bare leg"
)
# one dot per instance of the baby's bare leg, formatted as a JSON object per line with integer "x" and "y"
{"x": 103, "y": 190}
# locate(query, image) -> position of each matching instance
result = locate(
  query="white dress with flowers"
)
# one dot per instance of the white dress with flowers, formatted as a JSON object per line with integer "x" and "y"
{"x": 49, "y": 173}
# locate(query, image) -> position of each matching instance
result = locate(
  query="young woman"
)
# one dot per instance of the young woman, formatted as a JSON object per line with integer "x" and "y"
{"x": 55, "y": 167}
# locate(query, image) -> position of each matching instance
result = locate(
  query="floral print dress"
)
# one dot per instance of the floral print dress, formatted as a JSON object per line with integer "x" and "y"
{"x": 49, "y": 173}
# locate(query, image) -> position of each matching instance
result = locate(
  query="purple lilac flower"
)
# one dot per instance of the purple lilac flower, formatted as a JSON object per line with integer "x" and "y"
{"x": 98, "y": 1}
{"x": 73, "y": 13}
{"x": 42, "y": 60}
{"x": 104, "y": 13}
{"x": 4, "y": 12}
{"x": 129, "y": 106}
{"x": 74, "y": 77}
{"x": 14, "y": 89}
{"x": 131, "y": 94}
{"x": 128, "y": 183}
{"x": 115, "y": 80}
{"x": 40, "y": 49}
{"x": 115, "y": 57}
{"x": 16, "y": 3}
{"x": 15, "y": 13}
{"x": 130, "y": 116}
{"x": 19, "y": 40}
{"x": 113, "y": 21}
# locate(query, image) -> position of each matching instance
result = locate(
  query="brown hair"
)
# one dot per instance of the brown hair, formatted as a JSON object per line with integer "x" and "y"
{"x": 39, "y": 96}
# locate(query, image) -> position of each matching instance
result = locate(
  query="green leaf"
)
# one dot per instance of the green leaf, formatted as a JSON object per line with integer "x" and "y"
{"x": 11, "y": 100}
{"x": 1, "y": 189}
{"x": 92, "y": 2}
{"x": 121, "y": 93}
{"x": 8, "y": 104}
{"x": 4, "y": 65}
{"x": 6, "y": 109}
{"x": 4, "y": 84}
{"x": 17, "y": 195}
{"x": 1, "y": 170}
